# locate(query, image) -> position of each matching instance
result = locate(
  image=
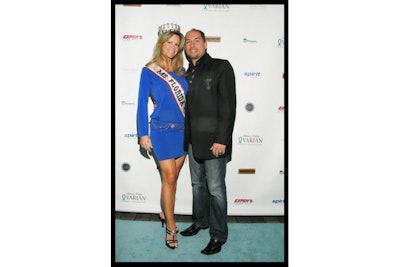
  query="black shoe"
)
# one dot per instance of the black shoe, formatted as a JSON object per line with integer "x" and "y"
{"x": 192, "y": 230}
{"x": 214, "y": 246}
{"x": 163, "y": 221}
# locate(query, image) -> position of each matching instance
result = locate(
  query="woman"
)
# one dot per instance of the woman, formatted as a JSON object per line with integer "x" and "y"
{"x": 163, "y": 81}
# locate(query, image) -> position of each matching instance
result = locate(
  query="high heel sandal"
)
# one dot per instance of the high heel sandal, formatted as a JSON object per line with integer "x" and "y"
{"x": 173, "y": 241}
{"x": 163, "y": 221}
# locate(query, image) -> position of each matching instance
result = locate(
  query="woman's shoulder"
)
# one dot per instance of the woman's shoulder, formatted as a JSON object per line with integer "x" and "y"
{"x": 146, "y": 70}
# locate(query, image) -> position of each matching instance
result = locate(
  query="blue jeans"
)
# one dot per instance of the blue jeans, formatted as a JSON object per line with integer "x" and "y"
{"x": 210, "y": 207}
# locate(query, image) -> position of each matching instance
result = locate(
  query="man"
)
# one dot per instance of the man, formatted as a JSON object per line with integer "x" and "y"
{"x": 209, "y": 119}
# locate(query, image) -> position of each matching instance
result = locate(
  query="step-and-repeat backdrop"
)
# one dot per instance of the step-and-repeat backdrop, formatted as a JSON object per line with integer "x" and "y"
{"x": 251, "y": 37}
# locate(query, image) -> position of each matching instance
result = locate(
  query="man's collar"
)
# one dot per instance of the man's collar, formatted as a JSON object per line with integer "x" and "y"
{"x": 204, "y": 58}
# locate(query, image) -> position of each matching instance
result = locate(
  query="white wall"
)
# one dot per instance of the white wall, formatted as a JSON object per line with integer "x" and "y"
{"x": 252, "y": 39}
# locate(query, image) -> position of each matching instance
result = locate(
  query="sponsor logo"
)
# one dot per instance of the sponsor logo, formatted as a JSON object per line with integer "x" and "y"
{"x": 129, "y": 37}
{"x": 245, "y": 40}
{"x": 281, "y": 43}
{"x": 249, "y": 107}
{"x": 258, "y": 6}
{"x": 123, "y": 102}
{"x": 133, "y": 197}
{"x": 218, "y": 8}
{"x": 252, "y": 74}
{"x": 250, "y": 140}
{"x": 130, "y": 135}
{"x": 126, "y": 167}
{"x": 278, "y": 201}
{"x": 240, "y": 201}
{"x": 247, "y": 171}
{"x": 214, "y": 39}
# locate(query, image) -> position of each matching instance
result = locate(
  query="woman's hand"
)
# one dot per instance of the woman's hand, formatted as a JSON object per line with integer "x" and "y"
{"x": 145, "y": 142}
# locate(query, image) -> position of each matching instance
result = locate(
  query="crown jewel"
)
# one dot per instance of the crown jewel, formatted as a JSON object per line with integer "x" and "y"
{"x": 168, "y": 27}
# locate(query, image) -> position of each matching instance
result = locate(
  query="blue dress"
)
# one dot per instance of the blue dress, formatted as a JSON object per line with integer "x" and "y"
{"x": 166, "y": 127}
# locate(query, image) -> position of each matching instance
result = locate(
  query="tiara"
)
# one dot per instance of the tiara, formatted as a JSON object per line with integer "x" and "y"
{"x": 168, "y": 27}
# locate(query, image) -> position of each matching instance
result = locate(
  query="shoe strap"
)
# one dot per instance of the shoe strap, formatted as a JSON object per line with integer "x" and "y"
{"x": 173, "y": 233}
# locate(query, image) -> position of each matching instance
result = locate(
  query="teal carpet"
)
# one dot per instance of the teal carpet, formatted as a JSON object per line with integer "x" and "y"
{"x": 143, "y": 241}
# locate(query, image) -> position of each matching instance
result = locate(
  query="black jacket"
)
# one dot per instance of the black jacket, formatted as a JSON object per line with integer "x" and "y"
{"x": 210, "y": 106}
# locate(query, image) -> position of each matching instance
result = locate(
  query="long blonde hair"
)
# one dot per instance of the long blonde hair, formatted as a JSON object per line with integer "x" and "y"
{"x": 177, "y": 60}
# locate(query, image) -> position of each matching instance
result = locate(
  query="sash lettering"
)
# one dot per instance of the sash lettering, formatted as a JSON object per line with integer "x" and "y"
{"x": 175, "y": 86}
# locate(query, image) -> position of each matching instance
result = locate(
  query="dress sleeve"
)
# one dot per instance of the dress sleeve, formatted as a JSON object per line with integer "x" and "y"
{"x": 142, "y": 116}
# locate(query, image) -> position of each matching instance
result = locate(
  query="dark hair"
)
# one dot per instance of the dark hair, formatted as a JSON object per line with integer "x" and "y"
{"x": 203, "y": 36}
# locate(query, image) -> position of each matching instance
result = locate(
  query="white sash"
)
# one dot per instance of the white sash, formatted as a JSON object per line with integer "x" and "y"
{"x": 174, "y": 85}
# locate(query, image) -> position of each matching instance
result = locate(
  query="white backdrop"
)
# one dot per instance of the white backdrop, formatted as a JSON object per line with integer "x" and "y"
{"x": 251, "y": 37}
